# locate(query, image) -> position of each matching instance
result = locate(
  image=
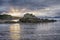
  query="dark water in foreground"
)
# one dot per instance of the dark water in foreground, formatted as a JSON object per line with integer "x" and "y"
{"x": 27, "y": 31}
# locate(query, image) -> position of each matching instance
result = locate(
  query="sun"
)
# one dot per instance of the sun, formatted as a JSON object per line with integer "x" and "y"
{"x": 14, "y": 12}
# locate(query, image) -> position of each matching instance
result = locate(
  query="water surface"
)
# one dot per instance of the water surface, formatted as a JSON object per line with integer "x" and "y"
{"x": 30, "y": 31}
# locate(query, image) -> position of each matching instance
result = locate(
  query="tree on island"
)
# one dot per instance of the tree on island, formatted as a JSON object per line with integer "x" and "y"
{"x": 27, "y": 15}
{"x": 5, "y": 16}
{"x": 28, "y": 18}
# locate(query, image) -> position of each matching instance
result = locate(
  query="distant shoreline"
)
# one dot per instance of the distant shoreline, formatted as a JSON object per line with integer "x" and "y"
{"x": 24, "y": 22}
{"x": 27, "y": 18}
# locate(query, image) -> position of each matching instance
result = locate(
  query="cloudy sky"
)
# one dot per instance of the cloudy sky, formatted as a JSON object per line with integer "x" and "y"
{"x": 37, "y": 7}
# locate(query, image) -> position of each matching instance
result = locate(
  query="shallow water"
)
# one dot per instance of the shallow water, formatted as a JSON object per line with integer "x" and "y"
{"x": 30, "y": 31}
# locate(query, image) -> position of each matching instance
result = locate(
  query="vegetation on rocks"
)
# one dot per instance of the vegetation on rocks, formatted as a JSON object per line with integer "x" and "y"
{"x": 30, "y": 18}
{"x": 4, "y": 17}
{"x": 27, "y": 18}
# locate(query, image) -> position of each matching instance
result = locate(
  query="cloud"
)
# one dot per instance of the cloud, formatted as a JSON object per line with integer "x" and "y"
{"x": 30, "y": 4}
{"x": 43, "y": 7}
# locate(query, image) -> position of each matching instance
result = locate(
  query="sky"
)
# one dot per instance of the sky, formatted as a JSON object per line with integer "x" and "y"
{"x": 37, "y": 7}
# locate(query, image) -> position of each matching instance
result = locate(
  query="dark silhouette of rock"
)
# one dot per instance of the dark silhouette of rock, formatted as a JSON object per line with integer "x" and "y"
{"x": 30, "y": 18}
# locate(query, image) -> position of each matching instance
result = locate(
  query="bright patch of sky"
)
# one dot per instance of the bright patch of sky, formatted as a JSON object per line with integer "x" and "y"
{"x": 37, "y": 7}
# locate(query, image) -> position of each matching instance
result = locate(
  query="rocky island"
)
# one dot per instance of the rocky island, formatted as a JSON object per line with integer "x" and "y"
{"x": 8, "y": 19}
{"x": 30, "y": 18}
{"x": 27, "y": 18}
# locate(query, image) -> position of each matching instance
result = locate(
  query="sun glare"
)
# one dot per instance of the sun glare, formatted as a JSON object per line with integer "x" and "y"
{"x": 14, "y": 12}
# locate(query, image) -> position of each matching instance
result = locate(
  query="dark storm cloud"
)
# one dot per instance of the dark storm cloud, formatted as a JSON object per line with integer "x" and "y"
{"x": 1, "y": 2}
{"x": 30, "y": 4}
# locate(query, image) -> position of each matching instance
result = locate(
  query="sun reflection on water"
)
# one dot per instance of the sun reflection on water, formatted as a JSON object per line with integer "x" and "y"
{"x": 15, "y": 31}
